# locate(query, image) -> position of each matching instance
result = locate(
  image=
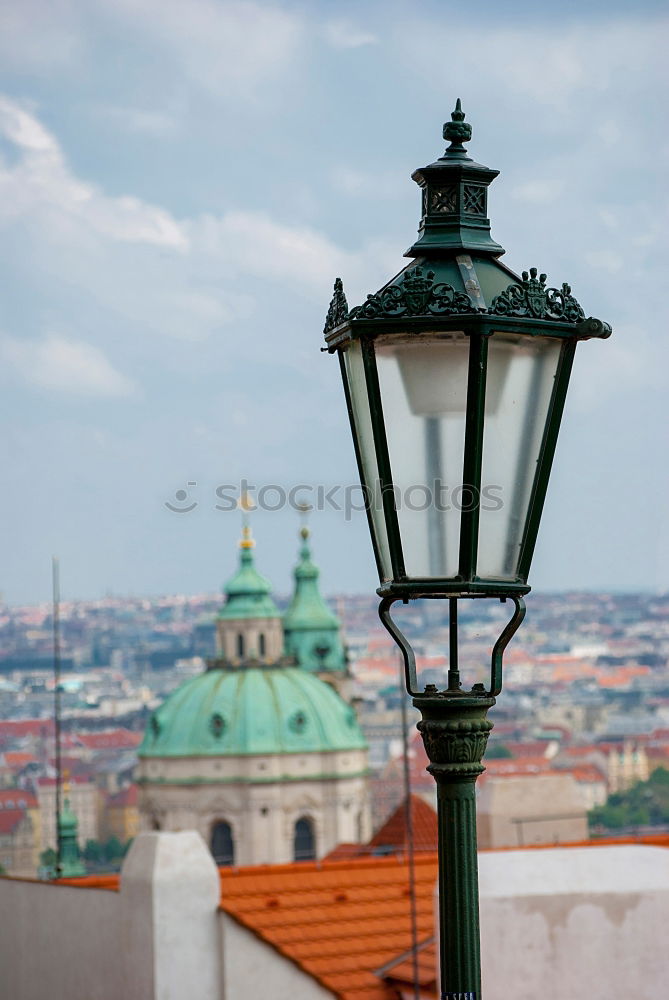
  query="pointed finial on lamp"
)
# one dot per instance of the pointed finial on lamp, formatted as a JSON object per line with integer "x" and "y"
{"x": 457, "y": 130}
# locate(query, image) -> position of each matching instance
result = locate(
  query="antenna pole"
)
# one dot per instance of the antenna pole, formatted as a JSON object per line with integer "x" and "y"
{"x": 411, "y": 857}
{"x": 55, "y": 571}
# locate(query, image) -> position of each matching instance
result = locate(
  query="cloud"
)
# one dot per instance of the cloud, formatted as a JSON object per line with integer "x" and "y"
{"x": 231, "y": 49}
{"x": 40, "y": 183}
{"x": 39, "y": 36}
{"x": 607, "y": 260}
{"x": 65, "y": 365}
{"x": 155, "y": 122}
{"x": 537, "y": 67}
{"x": 539, "y": 192}
{"x": 345, "y": 35}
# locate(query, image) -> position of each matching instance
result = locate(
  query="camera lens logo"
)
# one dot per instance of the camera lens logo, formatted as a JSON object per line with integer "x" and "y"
{"x": 181, "y": 496}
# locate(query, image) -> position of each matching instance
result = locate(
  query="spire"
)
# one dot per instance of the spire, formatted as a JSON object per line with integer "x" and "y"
{"x": 455, "y": 198}
{"x": 246, "y": 542}
{"x": 248, "y": 593}
{"x": 311, "y": 629}
{"x": 70, "y": 862}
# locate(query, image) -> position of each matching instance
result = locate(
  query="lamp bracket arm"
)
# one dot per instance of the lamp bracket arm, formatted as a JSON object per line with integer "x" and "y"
{"x": 399, "y": 637}
{"x": 505, "y": 638}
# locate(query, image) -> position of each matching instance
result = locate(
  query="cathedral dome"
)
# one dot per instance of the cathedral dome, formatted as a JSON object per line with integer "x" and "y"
{"x": 269, "y": 710}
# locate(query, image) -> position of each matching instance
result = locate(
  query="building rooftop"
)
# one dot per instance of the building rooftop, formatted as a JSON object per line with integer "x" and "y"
{"x": 337, "y": 920}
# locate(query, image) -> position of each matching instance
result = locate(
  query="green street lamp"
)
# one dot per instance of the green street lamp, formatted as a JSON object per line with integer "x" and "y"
{"x": 455, "y": 375}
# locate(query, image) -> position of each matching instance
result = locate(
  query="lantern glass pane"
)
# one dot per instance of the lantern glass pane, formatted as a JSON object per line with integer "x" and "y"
{"x": 357, "y": 386}
{"x": 521, "y": 374}
{"x": 423, "y": 383}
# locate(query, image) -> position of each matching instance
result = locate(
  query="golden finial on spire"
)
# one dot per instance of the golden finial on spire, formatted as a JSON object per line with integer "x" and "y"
{"x": 304, "y": 509}
{"x": 246, "y": 505}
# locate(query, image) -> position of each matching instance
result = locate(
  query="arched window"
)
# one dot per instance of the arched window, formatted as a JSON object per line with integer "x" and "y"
{"x": 262, "y": 645}
{"x": 222, "y": 844}
{"x": 240, "y": 644}
{"x": 304, "y": 841}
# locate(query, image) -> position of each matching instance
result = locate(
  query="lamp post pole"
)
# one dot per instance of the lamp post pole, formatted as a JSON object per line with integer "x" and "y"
{"x": 455, "y": 732}
{"x": 455, "y": 374}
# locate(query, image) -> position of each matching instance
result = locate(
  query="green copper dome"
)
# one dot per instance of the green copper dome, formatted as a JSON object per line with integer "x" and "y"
{"x": 311, "y": 630}
{"x": 271, "y": 710}
{"x": 248, "y": 593}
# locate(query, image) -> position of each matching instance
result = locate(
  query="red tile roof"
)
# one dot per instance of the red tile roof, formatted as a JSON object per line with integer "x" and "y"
{"x": 110, "y": 882}
{"x": 10, "y": 819}
{"x": 16, "y": 760}
{"x": 123, "y": 799}
{"x": 401, "y": 972}
{"x": 512, "y": 767}
{"x": 338, "y": 920}
{"x": 17, "y": 798}
{"x": 346, "y": 850}
{"x": 585, "y": 773}
{"x": 529, "y": 748}
{"x": 73, "y": 779}
{"x": 115, "y": 739}
{"x": 394, "y": 831}
{"x": 14, "y": 729}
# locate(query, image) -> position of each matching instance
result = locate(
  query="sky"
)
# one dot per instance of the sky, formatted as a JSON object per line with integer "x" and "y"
{"x": 180, "y": 183}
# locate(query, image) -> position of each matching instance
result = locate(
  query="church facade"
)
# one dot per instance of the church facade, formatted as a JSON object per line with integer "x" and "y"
{"x": 261, "y": 753}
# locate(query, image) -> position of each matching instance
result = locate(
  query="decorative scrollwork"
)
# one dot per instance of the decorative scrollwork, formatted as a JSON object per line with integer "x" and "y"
{"x": 532, "y": 299}
{"x": 338, "y": 310}
{"x": 454, "y": 743}
{"x": 443, "y": 200}
{"x": 417, "y": 295}
{"x": 474, "y": 199}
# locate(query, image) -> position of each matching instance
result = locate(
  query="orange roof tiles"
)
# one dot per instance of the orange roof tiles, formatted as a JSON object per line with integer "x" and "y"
{"x": 586, "y": 773}
{"x": 394, "y": 831}
{"x": 338, "y": 920}
{"x": 126, "y": 797}
{"x": 115, "y": 739}
{"x": 10, "y": 819}
{"x": 15, "y": 760}
{"x": 401, "y": 972}
{"x": 17, "y": 798}
{"x": 110, "y": 882}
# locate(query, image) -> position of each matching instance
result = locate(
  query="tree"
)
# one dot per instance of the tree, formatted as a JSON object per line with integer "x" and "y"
{"x": 646, "y": 803}
{"x": 497, "y": 751}
{"x": 113, "y": 849}
{"x": 93, "y": 851}
{"x": 48, "y": 858}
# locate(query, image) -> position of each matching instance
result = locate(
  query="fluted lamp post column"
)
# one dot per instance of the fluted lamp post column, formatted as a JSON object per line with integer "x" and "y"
{"x": 455, "y": 375}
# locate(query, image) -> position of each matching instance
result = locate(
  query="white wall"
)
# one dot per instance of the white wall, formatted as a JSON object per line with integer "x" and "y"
{"x": 156, "y": 939}
{"x": 59, "y": 942}
{"x": 255, "y": 969}
{"x": 575, "y": 922}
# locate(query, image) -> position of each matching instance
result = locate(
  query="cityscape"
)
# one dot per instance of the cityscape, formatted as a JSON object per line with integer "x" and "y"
{"x": 585, "y": 712}
{"x": 334, "y": 390}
